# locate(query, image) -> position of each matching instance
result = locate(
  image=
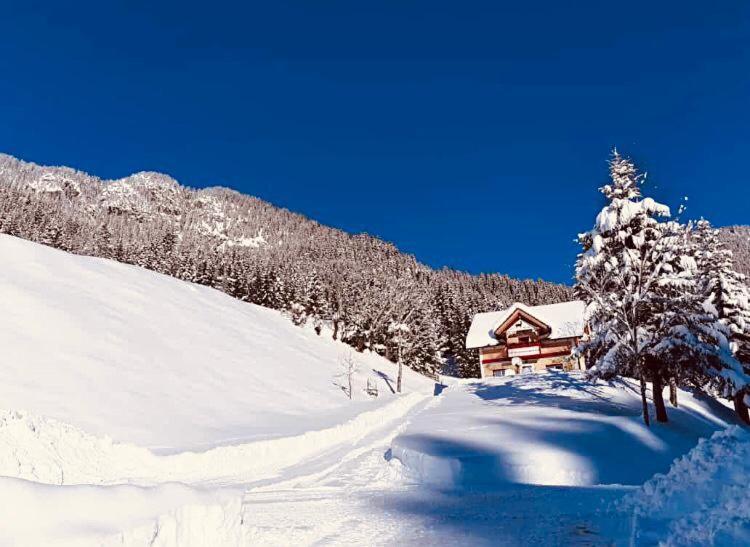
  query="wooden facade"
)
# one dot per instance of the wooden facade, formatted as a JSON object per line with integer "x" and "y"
{"x": 523, "y": 343}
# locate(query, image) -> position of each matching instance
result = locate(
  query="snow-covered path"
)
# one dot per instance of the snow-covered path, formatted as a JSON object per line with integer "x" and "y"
{"x": 360, "y": 495}
{"x": 353, "y": 489}
{"x": 366, "y": 500}
{"x": 367, "y": 496}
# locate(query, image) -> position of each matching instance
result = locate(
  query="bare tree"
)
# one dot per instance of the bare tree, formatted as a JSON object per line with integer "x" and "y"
{"x": 348, "y": 366}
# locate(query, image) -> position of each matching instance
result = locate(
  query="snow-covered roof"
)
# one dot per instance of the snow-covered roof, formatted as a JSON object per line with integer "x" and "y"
{"x": 564, "y": 319}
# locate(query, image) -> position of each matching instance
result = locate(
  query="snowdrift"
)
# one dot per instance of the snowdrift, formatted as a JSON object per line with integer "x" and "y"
{"x": 51, "y": 452}
{"x": 127, "y": 354}
{"x": 704, "y": 498}
{"x": 169, "y": 514}
{"x": 550, "y": 429}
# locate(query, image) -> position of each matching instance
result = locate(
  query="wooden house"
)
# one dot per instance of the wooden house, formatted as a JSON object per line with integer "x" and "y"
{"x": 524, "y": 339}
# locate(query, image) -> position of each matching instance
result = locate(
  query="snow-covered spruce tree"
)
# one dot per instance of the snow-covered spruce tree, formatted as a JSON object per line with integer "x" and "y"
{"x": 617, "y": 275}
{"x": 690, "y": 345}
{"x": 727, "y": 298}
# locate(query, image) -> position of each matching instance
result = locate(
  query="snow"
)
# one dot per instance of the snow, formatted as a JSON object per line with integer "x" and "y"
{"x": 253, "y": 242}
{"x": 703, "y": 499}
{"x": 142, "y": 358}
{"x": 55, "y": 183}
{"x": 116, "y": 515}
{"x": 51, "y": 452}
{"x": 143, "y": 193}
{"x": 141, "y": 410}
{"x": 549, "y": 429}
{"x": 565, "y": 320}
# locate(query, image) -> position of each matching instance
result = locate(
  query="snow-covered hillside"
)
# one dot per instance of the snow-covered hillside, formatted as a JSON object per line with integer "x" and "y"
{"x": 136, "y": 409}
{"x": 119, "y": 351}
{"x": 552, "y": 429}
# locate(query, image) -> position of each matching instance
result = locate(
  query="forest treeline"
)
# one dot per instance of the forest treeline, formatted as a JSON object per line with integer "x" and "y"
{"x": 737, "y": 240}
{"x": 357, "y": 288}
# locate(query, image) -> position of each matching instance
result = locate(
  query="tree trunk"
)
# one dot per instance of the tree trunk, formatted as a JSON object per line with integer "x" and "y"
{"x": 673, "y": 391}
{"x": 400, "y": 374}
{"x": 741, "y": 408}
{"x": 657, "y": 389}
{"x": 335, "y": 329}
{"x": 644, "y": 402}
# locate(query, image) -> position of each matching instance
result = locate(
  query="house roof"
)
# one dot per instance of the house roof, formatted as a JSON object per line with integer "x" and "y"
{"x": 565, "y": 320}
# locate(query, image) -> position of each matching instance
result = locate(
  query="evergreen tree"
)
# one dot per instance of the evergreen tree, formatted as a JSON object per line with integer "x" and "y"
{"x": 617, "y": 274}
{"x": 727, "y": 298}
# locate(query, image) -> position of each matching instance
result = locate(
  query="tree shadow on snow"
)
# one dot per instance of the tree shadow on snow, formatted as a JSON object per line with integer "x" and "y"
{"x": 472, "y": 493}
{"x": 557, "y": 389}
{"x": 385, "y": 378}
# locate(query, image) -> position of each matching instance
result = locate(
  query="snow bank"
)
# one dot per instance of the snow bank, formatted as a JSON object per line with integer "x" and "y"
{"x": 551, "y": 429}
{"x": 170, "y": 514}
{"x": 143, "y": 358}
{"x": 48, "y": 451}
{"x": 703, "y": 499}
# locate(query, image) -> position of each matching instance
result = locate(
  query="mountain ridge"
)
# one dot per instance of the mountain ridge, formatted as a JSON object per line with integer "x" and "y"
{"x": 361, "y": 288}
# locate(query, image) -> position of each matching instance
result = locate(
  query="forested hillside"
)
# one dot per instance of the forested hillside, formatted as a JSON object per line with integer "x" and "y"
{"x": 737, "y": 240}
{"x": 367, "y": 292}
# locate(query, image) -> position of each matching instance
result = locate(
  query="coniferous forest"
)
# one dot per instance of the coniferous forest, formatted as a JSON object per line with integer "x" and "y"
{"x": 356, "y": 288}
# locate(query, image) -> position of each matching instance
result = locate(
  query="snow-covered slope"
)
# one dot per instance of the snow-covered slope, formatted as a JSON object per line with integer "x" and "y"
{"x": 119, "y": 351}
{"x": 554, "y": 429}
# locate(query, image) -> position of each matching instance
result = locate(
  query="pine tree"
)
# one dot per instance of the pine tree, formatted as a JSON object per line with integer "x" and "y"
{"x": 727, "y": 298}
{"x": 689, "y": 341}
{"x": 617, "y": 274}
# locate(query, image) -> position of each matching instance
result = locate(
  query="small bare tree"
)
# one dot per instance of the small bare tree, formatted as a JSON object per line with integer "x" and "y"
{"x": 399, "y": 334}
{"x": 348, "y": 366}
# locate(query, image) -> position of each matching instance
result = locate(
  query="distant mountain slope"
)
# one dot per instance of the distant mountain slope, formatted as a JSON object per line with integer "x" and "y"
{"x": 737, "y": 239}
{"x": 368, "y": 293}
{"x": 143, "y": 358}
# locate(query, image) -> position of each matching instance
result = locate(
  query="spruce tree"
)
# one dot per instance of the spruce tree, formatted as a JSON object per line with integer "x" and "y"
{"x": 617, "y": 274}
{"x": 726, "y": 297}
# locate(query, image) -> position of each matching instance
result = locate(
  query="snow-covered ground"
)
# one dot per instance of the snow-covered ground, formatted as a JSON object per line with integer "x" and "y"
{"x": 136, "y": 409}
{"x": 142, "y": 358}
{"x": 552, "y": 429}
{"x": 703, "y": 499}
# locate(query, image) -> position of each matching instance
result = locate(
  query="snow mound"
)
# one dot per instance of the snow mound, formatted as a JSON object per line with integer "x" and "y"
{"x": 47, "y": 451}
{"x": 704, "y": 498}
{"x": 121, "y": 352}
{"x": 551, "y": 429}
{"x": 170, "y": 514}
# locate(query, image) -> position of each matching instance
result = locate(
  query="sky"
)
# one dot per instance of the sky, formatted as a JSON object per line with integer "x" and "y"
{"x": 471, "y": 134}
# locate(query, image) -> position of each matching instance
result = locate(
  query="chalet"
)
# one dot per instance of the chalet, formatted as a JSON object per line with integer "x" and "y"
{"x": 524, "y": 339}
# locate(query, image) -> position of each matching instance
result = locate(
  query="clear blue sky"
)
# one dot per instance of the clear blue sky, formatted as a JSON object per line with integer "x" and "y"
{"x": 472, "y": 134}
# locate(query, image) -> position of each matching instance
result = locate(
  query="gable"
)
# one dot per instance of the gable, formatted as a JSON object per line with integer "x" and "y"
{"x": 564, "y": 319}
{"x": 519, "y": 326}
{"x": 521, "y": 320}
